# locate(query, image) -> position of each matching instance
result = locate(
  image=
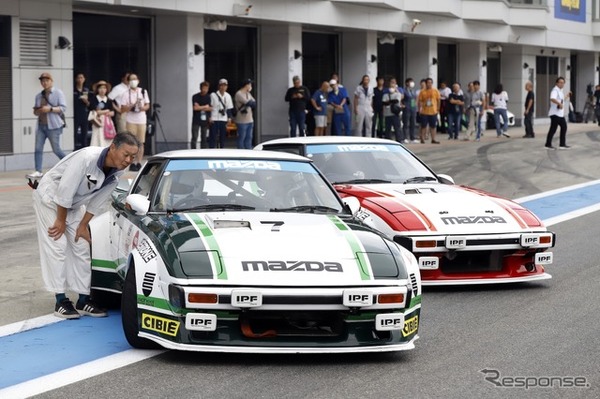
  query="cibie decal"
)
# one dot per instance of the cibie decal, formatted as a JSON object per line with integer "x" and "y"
{"x": 410, "y": 326}
{"x": 148, "y": 283}
{"x": 160, "y": 324}
{"x": 233, "y": 164}
{"x": 145, "y": 250}
{"x": 362, "y": 147}
{"x": 472, "y": 219}
{"x": 290, "y": 266}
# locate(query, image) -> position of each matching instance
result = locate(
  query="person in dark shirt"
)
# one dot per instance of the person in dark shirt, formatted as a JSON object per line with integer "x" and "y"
{"x": 378, "y": 124}
{"x": 80, "y": 111}
{"x": 454, "y": 108}
{"x": 528, "y": 113}
{"x": 201, "y": 116}
{"x": 298, "y": 97}
{"x": 597, "y": 105}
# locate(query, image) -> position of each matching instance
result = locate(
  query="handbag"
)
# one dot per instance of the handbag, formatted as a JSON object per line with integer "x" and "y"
{"x": 95, "y": 118}
{"x": 109, "y": 128}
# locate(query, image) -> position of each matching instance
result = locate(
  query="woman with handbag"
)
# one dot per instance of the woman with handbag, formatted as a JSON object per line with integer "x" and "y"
{"x": 101, "y": 113}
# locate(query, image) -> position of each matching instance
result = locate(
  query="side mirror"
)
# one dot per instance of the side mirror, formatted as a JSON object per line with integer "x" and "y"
{"x": 352, "y": 203}
{"x": 138, "y": 203}
{"x": 445, "y": 179}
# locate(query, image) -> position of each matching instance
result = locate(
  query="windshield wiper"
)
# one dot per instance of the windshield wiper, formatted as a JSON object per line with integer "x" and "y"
{"x": 419, "y": 179}
{"x": 306, "y": 208}
{"x": 363, "y": 181}
{"x": 215, "y": 207}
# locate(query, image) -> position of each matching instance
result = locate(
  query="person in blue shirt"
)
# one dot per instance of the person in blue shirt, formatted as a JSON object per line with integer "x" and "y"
{"x": 319, "y": 104}
{"x": 338, "y": 98}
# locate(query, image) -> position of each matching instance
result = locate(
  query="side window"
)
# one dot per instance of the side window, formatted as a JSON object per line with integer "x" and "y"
{"x": 147, "y": 179}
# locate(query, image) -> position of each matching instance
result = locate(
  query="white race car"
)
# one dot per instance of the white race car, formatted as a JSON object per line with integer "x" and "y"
{"x": 248, "y": 251}
{"x": 460, "y": 235}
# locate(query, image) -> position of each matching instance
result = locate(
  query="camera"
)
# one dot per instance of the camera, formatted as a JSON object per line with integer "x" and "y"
{"x": 244, "y": 111}
{"x": 222, "y": 112}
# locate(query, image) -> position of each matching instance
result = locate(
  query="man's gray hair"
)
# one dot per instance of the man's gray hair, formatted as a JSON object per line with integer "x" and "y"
{"x": 126, "y": 138}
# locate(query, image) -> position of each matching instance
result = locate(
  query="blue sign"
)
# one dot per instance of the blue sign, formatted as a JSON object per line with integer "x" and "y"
{"x": 573, "y": 10}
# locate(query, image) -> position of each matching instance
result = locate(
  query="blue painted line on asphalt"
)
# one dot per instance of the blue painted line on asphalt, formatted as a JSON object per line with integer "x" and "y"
{"x": 561, "y": 203}
{"x": 42, "y": 351}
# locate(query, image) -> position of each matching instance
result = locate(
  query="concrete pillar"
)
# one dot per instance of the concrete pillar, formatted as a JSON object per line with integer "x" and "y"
{"x": 179, "y": 74}
{"x": 277, "y": 67}
{"x": 471, "y": 57}
{"x": 514, "y": 77}
{"x": 420, "y": 52}
{"x": 357, "y": 48}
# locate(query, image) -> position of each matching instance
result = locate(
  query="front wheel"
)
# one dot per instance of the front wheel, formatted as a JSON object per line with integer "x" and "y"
{"x": 129, "y": 316}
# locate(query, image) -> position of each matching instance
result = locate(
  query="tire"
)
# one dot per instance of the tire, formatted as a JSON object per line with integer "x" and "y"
{"x": 129, "y": 316}
{"x": 106, "y": 299}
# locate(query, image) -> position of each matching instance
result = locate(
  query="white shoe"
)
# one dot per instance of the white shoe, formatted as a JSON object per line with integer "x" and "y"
{"x": 415, "y": 141}
{"x": 404, "y": 141}
{"x": 35, "y": 175}
{"x": 506, "y": 134}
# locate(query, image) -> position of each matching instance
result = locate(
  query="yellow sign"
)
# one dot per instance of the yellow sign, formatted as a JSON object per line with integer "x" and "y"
{"x": 410, "y": 326}
{"x": 160, "y": 324}
{"x": 570, "y": 4}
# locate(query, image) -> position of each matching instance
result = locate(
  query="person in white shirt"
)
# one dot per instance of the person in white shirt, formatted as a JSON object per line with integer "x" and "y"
{"x": 66, "y": 199}
{"x": 135, "y": 102}
{"x": 557, "y": 115}
{"x": 363, "y": 107}
{"x": 500, "y": 101}
{"x": 114, "y": 95}
{"x": 222, "y": 106}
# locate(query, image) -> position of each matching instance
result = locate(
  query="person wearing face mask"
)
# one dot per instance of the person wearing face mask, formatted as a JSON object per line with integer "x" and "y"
{"x": 135, "y": 102}
{"x": 392, "y": 109}
{"x": 409, "y": 114}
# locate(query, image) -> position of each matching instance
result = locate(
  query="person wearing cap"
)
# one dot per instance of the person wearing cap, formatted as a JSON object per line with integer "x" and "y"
{"x": 245, "y": 104}
{"x": 135, "y": 102}
{"x": 81, "y": 102}
{"x": 222, "y": 106}
{"x": 338, "y": 98}
{"x": 50, "y": 106}
{"x": 298, "y": 97}
{"x": 201, "y": 116}
{"x": 100, "y": 107}
{"x": 66, "y": 199}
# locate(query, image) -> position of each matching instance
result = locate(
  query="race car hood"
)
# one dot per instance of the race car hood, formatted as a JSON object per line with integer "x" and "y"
{"x": 256, "y": 248}
{"x": 440, "y": 208}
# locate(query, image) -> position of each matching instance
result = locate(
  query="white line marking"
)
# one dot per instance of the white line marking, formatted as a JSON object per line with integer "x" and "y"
{"x": 25, "y": 325}
{"x": 556, "y": 191}
{"x": 77, "y": 373}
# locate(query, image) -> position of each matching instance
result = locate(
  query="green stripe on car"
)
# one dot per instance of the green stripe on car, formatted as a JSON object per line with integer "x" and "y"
{"x": 210, "y": 243}
{"x": 355, "y": 244}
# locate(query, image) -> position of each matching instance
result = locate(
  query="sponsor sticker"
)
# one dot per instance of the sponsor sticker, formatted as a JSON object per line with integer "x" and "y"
{"x": 410, "y": 326}
{"x": 160, "y": 324}
{"x": 362, "y": 147}
{"x": 389, "y": 321}
{"x": 429, "y": 263}
{"x": 357, "y": 298}
{"x": 201, "y": 322}
{"x": 290, "y": 266}
{"x": 145, "y": 250}
{"x": 530, "y": 240}
{"x": 235, "y": 164}
{"x": 246, "y": 298}
{"x": 455, "y": 242}
{"x": 544, "y": 258}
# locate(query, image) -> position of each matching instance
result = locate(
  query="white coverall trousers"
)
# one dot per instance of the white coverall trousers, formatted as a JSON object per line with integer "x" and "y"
{"x": 363, "y": 115}
{"x": 66, "y": 264}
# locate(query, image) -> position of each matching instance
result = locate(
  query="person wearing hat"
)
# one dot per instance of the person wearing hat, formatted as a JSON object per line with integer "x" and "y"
{"x": 222, "y": 106}
{"x": 50, "y": 106}
{"x": 81, "y": 94}
{"x": 245, "y": 104}
{"x": 100, "y": 107}
{"x": 298, "y": 96}
{"x": 338, "y": 98}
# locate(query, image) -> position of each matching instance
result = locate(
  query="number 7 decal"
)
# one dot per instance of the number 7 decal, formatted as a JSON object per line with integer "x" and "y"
{"x": 276, "y": 224}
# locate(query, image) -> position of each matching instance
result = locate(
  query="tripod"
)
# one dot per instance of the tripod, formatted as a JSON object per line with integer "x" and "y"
{"x": 155, "y": 118}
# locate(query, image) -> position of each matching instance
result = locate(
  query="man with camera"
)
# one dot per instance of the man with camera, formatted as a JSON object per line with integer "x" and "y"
{"x": 222, "y": 107}
{"x": 244, "y": 104}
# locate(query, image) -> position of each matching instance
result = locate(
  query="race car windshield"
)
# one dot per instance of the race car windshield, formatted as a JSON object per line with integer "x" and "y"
{"x": 213, "y": 185}
{"x": 367, "y": 163}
